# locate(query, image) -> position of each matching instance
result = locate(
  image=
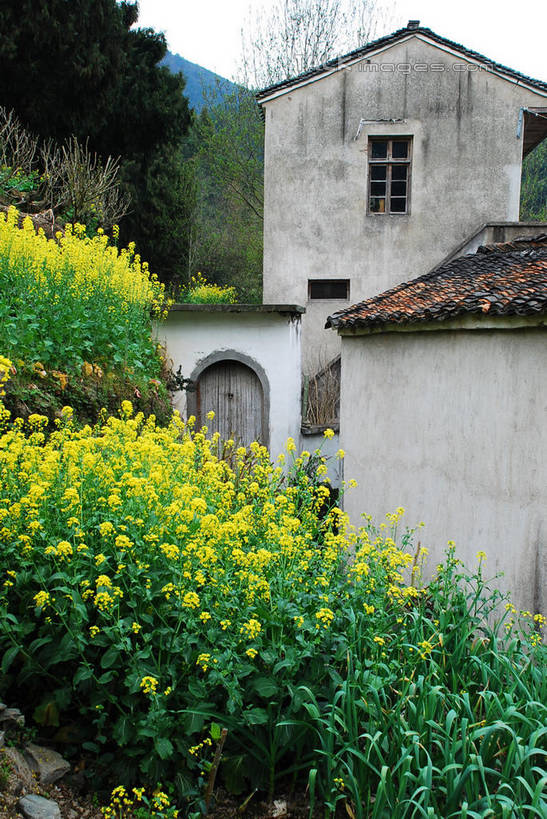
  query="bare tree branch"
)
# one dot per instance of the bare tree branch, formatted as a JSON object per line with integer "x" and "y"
{"x": 294, "y": 36}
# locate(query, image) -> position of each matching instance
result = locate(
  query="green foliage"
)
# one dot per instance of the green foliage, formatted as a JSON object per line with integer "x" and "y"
{"x": 533, "y": 195}
{"x": 226, "y": 143}
{"x": 76, "y": 322}
{"x": 14, "y": 181}
{"x": 231, "y": 138}
{"x": 449, "y": 721}
{"x": 157, "y": 595}
{"x": 84, "y": 69}
{"x": 164, "y": 185}
{"x": 5, "y": 773}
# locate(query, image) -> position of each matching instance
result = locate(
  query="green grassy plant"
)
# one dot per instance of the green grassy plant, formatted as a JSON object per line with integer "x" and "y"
{"x": 160, "y": 585}
{"x": 450, "y": 719}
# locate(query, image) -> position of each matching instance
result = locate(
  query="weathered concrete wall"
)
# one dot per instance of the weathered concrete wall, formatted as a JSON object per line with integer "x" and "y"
{"x": 451, "y": 426}
{"x": 466, "y": 169}
{"x": 270, "y": 340}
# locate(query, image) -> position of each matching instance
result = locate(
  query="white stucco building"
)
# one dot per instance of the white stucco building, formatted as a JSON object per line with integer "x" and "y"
{"x": 244, "y": 363}
{"x": 444, "y": 410}
{"x": 382, "y": 163}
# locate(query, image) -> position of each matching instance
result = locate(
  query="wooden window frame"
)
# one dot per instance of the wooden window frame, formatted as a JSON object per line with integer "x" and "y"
{"x": 390, "y": 162}
{"x": 312, "y": 282}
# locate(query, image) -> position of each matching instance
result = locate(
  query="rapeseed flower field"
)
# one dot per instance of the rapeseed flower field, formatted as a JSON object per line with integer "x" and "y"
{"x": 75, "y": 319}
{"x": 163, "y": 592}
{"x": 159, "y": 583}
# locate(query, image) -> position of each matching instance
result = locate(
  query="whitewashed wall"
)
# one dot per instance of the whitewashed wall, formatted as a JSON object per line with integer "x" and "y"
{"x": 466, "y": 169}
{"x": 452, "y": 426}
{"x": 268, "y": 335}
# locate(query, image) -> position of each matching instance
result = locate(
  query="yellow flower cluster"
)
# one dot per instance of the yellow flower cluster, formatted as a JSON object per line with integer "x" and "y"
{"x": 43, "y": 599}
{"x": 149, "y": 685}
{"x": 73, "y": 261}
{"x": 200, "y": 291}
{"x": 325, "y": 617}
{"x": 250, "y": 629}
{"x": 203, "y": 661}
{"x": 123, "y": 804}
{"x": 5, "y": 370}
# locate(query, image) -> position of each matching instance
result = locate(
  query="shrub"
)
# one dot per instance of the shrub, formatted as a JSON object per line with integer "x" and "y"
{"x": 71, "y": 179}
{"x": 75, "y": 318}
{"x": 153, "y": 594}
{"x": 200, "y": 291}
{"x": 74, "y": 300}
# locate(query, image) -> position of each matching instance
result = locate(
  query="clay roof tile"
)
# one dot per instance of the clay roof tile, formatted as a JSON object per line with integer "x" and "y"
{"x": 506, "y": 279}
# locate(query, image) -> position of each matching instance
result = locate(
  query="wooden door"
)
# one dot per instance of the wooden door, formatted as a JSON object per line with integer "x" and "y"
{"x": 234, "y": 392}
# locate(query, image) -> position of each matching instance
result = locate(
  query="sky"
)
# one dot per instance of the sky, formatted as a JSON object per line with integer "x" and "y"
{"x": 209, "y": 32}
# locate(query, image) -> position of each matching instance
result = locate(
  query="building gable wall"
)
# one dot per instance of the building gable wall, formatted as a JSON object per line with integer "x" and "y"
{"x": 466, "y": 168}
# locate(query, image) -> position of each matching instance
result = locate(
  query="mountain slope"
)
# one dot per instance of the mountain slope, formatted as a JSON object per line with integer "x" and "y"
{"x": 202, "y": 85}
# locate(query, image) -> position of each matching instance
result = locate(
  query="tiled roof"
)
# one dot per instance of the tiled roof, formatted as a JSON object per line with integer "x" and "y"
{"x": 390, "y": 39}
{"x": 507, "y": 279}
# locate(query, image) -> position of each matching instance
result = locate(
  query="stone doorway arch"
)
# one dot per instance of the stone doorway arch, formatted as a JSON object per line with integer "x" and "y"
{"x": 235, "y": 387}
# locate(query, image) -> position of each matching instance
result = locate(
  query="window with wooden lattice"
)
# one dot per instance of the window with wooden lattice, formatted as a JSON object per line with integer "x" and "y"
{"x": 389, "y": 163}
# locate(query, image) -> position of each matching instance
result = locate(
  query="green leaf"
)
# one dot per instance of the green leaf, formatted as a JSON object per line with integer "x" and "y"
{"x": 215, "y": 731}
{"x": 286, "y": 663}
{"x": 193, "y": 722}
{"x": 83, "y": 673}
{"x": 264, "y": 687}
{"x": 256, "y": 716}
{"x": 197, "y": 689}
{"x": 110, "y": 657}
{"x": 164, "y": 747}
{"x": 38, "y": 643}
{"x": 9, "y": 657}
{"x": 123, "y": 730}
{"x": 233, "y": 771}
{"x": 47, "y": 714}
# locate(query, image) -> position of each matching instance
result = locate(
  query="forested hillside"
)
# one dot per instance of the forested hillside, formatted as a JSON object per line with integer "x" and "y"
{"x": 202, "y": 87}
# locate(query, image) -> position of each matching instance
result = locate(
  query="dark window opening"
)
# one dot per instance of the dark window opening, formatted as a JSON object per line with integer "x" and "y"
{"x": 328, "y": 289}
{"x": 389, "y": 175}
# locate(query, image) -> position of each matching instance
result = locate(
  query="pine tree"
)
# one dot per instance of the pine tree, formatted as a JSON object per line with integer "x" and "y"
{"x": 80, "y": 67}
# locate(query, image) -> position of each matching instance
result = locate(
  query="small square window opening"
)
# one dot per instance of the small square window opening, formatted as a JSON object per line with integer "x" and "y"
{"x": 328, "y": 289}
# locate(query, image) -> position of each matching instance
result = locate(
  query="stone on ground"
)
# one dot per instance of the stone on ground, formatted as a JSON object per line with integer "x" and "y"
{"x": 37, "y": 807}
{"x": 46, "y": 763}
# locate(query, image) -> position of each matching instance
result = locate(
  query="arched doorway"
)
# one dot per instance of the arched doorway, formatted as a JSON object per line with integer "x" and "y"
{"x": 234, "y": 392}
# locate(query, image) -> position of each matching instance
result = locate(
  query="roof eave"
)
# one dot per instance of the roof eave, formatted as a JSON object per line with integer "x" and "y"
{"x": 465, "y": 322}
{"x": 378, "y": 46}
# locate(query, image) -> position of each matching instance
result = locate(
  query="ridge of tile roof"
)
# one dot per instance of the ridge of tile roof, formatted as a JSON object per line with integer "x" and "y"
{"x": 390, "y": 39}
{"x": 505, "y": 279}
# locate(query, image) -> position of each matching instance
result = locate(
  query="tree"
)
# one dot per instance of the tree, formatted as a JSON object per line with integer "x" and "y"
{"x": 225, "y": 144}
{"x": 231, "y": 148}
{"x": 294, "y": 36}
{"x": 533, "y": 194}
{"x": 81, "y": 68}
